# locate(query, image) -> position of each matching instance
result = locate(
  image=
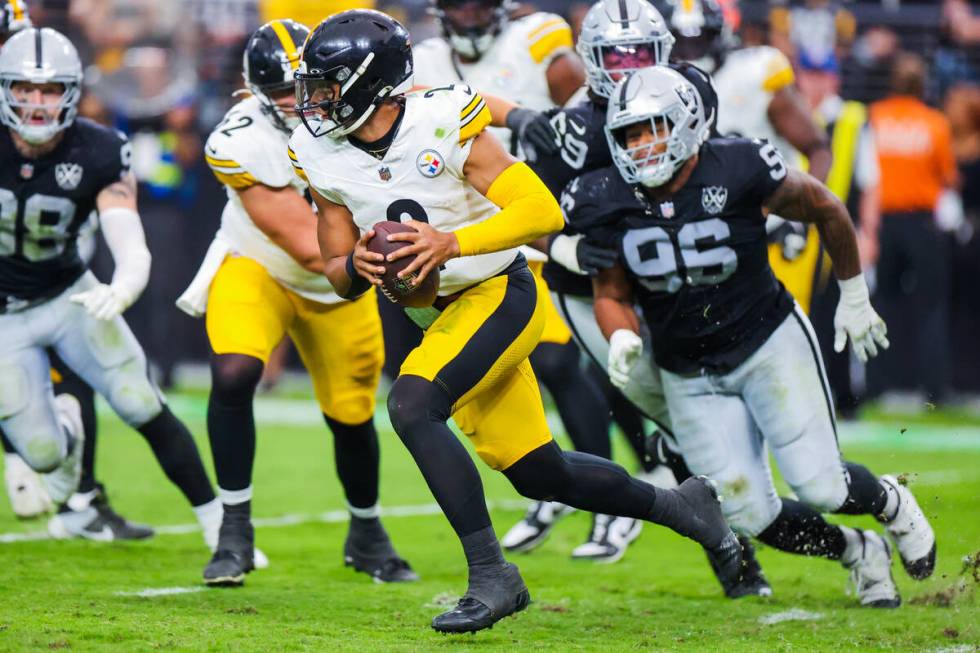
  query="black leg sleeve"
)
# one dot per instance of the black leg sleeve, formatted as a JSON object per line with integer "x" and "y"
{"x": 231, "y": 424}
{"x": 357, "y": 456}
{"x": 177, "y": 454}
{"x": 802, "y": 530}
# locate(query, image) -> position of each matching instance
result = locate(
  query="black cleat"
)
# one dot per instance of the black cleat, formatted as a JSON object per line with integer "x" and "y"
{"x": 368, "y": 549}
{"x": 235, "y": 554}
{"x": 95, "y": 520}
{"x": 711, "y": 530}
{"x": 487, "y": 601}
{"x": 751, "y": 581}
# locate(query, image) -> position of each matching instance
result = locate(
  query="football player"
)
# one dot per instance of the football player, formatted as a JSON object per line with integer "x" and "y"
{"x": 740, "y": 366}
{"x": 531, "y": 61}
{"x": 269, "y": 282}
{"x": 758, "y": 99}
{"x": 370, "y": 151}
{"x": 56, "y": 171}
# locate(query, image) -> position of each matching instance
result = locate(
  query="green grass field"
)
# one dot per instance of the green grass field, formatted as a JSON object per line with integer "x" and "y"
{"x": 86, "y": 596}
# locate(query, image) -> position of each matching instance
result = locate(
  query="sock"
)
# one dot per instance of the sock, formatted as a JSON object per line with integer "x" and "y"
{"x": 357, "y": 457}
{"x": 177, "y": 454}
{"x": 372, "y": 512}
{"x": 865, "y": 493}
{"x": 892, "y": 499}
{"x": 482, "y": 549}
{"x": 802, "y": 530}
{"x": 231, "y": 498}
{"x": 209, "y": 517}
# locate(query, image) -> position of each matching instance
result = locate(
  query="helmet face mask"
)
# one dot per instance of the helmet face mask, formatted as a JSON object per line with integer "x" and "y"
{"x": 619, "y": 38}
{"x": 271, "y": 56}
{"x": 351, "y": 63}
{"x": 28, "y": 86}
{"x": 654, "y": 125}
{"x": 472, "y": 26}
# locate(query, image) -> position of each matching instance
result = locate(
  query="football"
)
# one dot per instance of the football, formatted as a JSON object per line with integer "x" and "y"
{"x": 399, "y": 290}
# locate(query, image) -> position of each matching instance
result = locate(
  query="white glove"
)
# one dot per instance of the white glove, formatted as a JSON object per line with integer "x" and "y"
{"x": 857, "y": 320}
{"x": 625, "y": 348}
{"x": 102, "y": 302}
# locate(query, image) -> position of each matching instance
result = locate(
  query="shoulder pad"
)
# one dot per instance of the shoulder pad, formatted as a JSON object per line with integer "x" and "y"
{"x": 107, "y": 146}
{"x": 241, "y": 151}
{"x": 595, "y": 199}
{"x": 777, "y": 71}
{"x": 474, "y": 116}
{"x": 546, "y": 35}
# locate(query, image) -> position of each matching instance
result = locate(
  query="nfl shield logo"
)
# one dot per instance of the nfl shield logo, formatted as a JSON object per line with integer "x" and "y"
{"x": 26, "y": 171}
{"x": 385, "y": 173}
{"x": 713, "y": 199}
{"x": 667, "y": 209}
{"x": 68, "y": 175}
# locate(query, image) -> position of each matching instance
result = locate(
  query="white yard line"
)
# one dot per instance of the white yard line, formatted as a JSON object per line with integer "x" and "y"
{"x": 150, "y": 592}
{"x": 284, "y": 521}
{"x": 793, "y": 614}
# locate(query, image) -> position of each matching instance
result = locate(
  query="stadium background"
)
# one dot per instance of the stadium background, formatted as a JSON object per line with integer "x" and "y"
{"x": 165, "y": 72}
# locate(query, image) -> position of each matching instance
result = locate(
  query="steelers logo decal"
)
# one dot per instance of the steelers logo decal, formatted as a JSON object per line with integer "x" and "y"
{"x": 430, "y": 163}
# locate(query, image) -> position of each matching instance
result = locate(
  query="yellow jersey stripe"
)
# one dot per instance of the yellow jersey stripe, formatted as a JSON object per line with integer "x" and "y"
{"x": 472, "y": 115}
{"x": 287, "y": 43}
{"x": 469, "y": 108}
{"x": 778, "y": 80}
{"x": 558, "y": 39}
{"x": 222, "y": 163}
{"x": 300, "y": 173}
{"x": 236, "y": 181}
{"x": 540, "y": 29}
{"x": 292, "y": 155}
{"x": 475, "y": 125}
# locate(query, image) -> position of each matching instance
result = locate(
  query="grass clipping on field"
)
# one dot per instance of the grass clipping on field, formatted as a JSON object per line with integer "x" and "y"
{"x": 962, "y": 589}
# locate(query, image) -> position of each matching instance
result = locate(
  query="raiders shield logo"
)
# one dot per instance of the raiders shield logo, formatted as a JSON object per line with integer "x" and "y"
{"x": 68, "y": 175}
{"x": 713, "y": 199}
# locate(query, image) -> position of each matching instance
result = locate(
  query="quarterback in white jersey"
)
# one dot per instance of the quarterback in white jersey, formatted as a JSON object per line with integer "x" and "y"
{"x": 370, "y": 151}
{"x": 263, "y": 278}
{"x": 529, "y": 60}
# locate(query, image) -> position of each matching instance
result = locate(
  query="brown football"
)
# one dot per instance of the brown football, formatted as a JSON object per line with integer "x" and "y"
{"x": 401, "y": 291}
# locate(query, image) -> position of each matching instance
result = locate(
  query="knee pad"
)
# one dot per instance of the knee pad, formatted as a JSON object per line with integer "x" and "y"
{"x": 826, "y": 492}
{"x": 132, "y": 395}
{"x": 749, "y": 511}
{"x": 412, "y": 400}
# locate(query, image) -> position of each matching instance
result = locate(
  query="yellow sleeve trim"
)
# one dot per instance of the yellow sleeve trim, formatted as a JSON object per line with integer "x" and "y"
{"x": 779, "y": 73}
{"x": 237, "y": 181}
{"x": 297, "y": 168}
{"x": 545, "y": 26}
{"x": 225, "y": 164}
{"x": 528, "y": 211}
{"x": 473, "y": 119}
{"x": 558, "y": 39}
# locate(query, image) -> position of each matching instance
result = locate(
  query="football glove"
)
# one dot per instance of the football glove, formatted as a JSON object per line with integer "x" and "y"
{"x": 790, "y": 236}
{"x": 535, "y": 128}
{"x": 102, "y": 302}
{"x": 578, "y": 255}
{"x": 856, "y": 320}
{"x": 625, "y": 348}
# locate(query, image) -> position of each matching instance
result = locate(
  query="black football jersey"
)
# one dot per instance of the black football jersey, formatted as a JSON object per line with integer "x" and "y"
{"x": 44, "y": 202}
{"x": 584, "y": 148}
{"x": 697, "y": 260}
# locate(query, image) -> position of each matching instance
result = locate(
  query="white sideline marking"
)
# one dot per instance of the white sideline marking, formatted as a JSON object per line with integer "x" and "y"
{"x": 958, "y": 648}
{"x": 283, "y": 521}
{"x": 161, "y": 591}
{"x": 794, "y": 614}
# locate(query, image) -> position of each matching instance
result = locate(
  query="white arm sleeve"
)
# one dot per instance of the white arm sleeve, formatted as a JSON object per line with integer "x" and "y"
{"x": 123, "y": 233}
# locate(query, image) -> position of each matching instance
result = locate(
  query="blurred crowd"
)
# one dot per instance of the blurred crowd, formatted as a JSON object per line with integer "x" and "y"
{"x": 165, "y": 72}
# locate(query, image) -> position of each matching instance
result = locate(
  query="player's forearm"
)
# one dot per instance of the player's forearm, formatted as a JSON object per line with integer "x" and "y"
{"x": 528, "y": 212}
{"x": 613, "y": 315}
{"x": 820, "y": 158}
{"x": 499, "y": 109}
{"x": 335, "y": 269}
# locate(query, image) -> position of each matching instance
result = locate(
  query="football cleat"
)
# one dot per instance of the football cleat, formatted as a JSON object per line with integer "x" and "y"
{"x": 235, "y": 554}
{"x": 27, "y": 494}
{"x": 535, "y": 527}
{"x": 491, "y": 597}
{"x": 871, "y": 573}
{"x": 609, "y": 539}
{"x": 751, "y": 581}
{"x": 910, "y": 531}
{"x": 713, "y": 533}
{"x": 92, "y": 518}
{"x": 369, "y": 550}
{"x": 63, "y": 481}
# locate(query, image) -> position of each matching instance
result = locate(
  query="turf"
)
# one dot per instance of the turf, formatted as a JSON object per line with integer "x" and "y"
{"x": 80, "y": 595}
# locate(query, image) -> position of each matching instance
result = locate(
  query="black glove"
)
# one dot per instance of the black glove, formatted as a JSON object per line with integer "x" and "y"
{"x": 534, "y": 128}
{"x": 577, "y": 254}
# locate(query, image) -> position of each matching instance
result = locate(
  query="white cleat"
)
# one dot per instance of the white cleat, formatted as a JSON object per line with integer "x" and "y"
{"x": 871, "y": 573}
{"x": 534, "y": 528}
{"x": 910, "y": 531}
{"x": 63, "y": 481}
{"x": 609, "y": 539}
{"x": 28, "y": 497}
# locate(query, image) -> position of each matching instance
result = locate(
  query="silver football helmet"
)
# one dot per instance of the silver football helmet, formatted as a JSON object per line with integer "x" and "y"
{"x": 670, "y": 105}
{"x": 39, "y": 56}
{"x": 619, "y": 37}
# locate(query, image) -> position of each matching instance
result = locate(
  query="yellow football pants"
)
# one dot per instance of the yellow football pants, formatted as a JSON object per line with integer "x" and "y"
{"x": 477, "y": 351}
{"x": 555, "y": 329}
{"x": 340, "y": 345}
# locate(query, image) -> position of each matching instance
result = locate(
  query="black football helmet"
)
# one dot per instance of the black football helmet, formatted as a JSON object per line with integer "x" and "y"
{"x": 702, "y": 33}
{"x": 351, "y": 63}
{"x": 13, "y": 18}
{"x": 271, "y": 57}
{"x": 471, "y": 26}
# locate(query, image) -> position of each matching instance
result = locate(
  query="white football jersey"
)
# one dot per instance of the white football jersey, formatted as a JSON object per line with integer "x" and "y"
{"x": 420, "y": 177}
{"x": 514, "y": 68}
{"x": 746, "y": 83}
{"x": 246, "y": 149}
